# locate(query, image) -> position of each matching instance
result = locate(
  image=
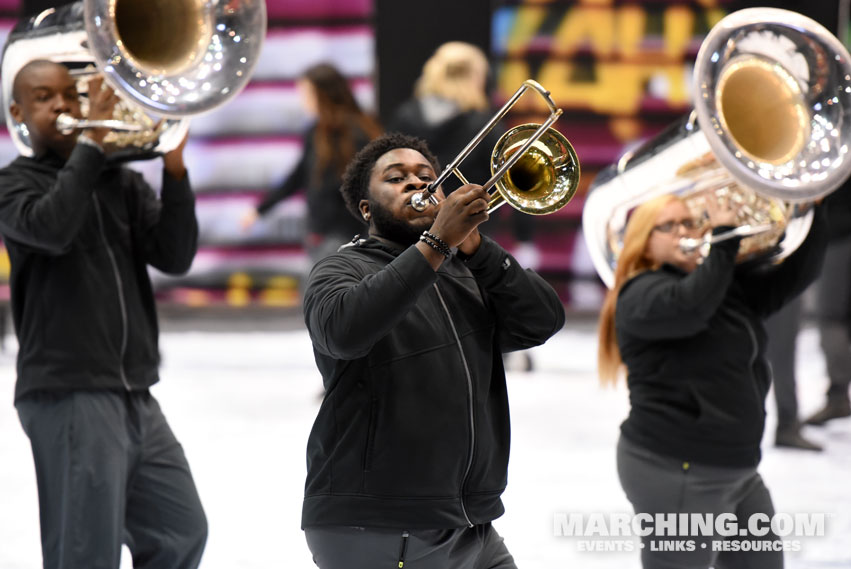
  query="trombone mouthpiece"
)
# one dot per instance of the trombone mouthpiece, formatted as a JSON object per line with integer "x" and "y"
{"x": 421, "y": 200}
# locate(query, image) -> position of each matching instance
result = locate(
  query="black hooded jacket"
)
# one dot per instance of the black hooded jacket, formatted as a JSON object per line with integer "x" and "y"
{"x": 80, "y": 235}
{"x": 694, "y": 347}
{"x": 414, "y": 428}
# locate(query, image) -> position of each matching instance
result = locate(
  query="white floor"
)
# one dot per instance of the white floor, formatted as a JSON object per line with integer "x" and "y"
{"x": 242, "y": 404}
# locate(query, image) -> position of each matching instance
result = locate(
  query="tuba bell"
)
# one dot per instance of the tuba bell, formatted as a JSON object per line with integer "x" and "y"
{"x": 165, "y": 59}
{"x": 769, "y": 134}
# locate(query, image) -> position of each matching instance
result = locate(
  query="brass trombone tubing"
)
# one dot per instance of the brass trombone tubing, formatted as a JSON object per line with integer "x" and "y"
{"x": 418, "y": 200}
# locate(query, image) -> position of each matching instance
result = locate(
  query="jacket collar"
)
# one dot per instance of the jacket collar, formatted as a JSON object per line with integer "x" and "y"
{"x": 48, "y": 161}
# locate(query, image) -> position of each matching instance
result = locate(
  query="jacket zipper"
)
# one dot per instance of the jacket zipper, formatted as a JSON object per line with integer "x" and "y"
{"x": 754, "y": 353}
{"x": 403, "y": 549}
{"x": 121, "y": 301}
{"x": 469, "y": 403}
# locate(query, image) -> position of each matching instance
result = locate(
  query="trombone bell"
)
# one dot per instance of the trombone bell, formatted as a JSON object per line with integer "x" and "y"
{"x": 543, "y": 180}
{"x": 533, "y": 166}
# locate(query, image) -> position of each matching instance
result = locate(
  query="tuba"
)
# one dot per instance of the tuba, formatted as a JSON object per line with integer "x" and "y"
{"x": 769, "y": 134}
{"x": 165, "y": 59}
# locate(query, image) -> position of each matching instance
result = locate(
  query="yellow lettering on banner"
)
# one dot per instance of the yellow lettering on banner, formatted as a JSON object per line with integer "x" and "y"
{"x": 280, "y": 291}
{"x": 631, "y": 22}
{"x": 239, "y": 289}
{"x": 625, "y": 129}
{"x": 678, "y": 22}
{"x": 678, "y": 80}
{"x": 713, "y": 16}
{"x": 511, "y": 75}
{"x": 606, "y": 29}
{"x": 618, "y": 88}
{"x": 527, "y": 22}
{"x": 585, "y": 24}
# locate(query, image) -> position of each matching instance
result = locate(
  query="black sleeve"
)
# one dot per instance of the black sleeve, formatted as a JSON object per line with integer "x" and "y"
{"x": 296, "y": 181}
{"x": 48, "y": 222}
{"x": 347, "y": 312}
{"x": 659, "y": 305}
{"x": 169, "y": 227}
{"x": 770, "y": 289}
{"x": 527, "y": 309}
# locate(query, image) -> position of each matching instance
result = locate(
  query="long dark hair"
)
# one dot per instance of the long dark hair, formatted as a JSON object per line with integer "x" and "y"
{"x": 338, "y": 121}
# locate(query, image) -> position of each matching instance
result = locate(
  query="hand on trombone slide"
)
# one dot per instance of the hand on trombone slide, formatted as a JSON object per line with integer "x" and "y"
{"x": 457, "y": 219}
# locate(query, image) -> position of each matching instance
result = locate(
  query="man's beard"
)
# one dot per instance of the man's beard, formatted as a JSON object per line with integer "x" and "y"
{"x": 390, "y": 227}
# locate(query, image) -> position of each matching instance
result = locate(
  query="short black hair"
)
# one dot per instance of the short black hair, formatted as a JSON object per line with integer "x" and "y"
{"x": 24, "y": 71}
{"x": 356, "y": 178}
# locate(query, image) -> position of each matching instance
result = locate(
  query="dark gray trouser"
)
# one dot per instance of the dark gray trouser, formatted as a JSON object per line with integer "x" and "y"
{"x": 782, "y": 328}
{"x": 338, "y": 547}
{"x": 659, "y": 484}
{"x": 834, "y": 316}
{"x": 109, "y": 470}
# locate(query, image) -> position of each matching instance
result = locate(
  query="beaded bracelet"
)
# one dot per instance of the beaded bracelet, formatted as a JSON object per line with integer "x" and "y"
{"x": 437, "y": 240}
{"x": 435, "y": 246}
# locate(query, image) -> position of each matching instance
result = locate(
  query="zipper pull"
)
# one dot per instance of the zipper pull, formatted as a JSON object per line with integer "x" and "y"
{"x": 403, "y": 548}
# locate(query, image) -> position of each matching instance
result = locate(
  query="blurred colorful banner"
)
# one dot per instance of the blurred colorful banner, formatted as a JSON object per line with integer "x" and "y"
{"x": 622, "y": 72}
{"x": 247, "y": 147}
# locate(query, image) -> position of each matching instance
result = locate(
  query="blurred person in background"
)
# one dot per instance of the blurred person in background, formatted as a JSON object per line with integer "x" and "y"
{"x": 833, "y": 319}
{"x": 81, "y": 233}
{"x": 691, "y": 339}
{"x": 782, "y": 328}
{"x": 449, "y": 107}
{"x": 833, "y": 308}
{"x": 408, "y": 456}
{"x": 832, "y": 291}
{"x": 339, "y": 129}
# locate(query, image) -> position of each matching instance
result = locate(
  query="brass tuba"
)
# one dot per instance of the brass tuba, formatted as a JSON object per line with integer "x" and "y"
{"x": 769, "y": 133}
{"x": 166, "y": 60}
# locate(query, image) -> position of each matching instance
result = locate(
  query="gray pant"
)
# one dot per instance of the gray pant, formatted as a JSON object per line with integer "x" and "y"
{"x": 338, "y": 547}
{"x": 834, "y": 316}
{"x": 109, "y": 470}
{"x": 657, "y": 484}
{"x": 782, "y": 328}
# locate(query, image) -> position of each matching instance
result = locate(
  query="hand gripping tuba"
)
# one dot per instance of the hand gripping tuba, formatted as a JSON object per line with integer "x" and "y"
{"x": 166, "y": 60}
{"x": 769, "y": 132}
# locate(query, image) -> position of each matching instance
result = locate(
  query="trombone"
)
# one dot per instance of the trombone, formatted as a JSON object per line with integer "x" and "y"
{"x": 536, "y": 173}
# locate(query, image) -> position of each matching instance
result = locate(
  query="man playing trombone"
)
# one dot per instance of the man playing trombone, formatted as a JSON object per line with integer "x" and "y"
{"x": 408, "y": 456}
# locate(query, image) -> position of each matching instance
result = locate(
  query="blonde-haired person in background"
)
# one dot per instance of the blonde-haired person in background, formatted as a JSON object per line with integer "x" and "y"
{"x": 450, "y": 105}
{"x": 690, "y": 336}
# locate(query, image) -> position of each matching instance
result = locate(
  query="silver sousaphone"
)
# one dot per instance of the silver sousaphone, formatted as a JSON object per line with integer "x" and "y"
{"x": 166, "y": 60}
{"x": 769, "y": 133}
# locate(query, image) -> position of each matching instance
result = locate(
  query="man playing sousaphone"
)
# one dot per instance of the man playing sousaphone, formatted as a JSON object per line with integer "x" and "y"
{"x": 80, "y": 235}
